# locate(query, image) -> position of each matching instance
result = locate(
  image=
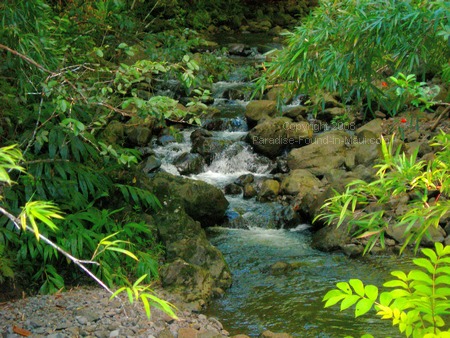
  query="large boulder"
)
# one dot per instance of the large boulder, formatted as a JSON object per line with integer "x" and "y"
{"x": 375, "y": 126}
{"x": 202, "y": 201}
{"x": 194, "y": 268}
{"x": 299, "y": 181}
{"x": 273, "y": 135}
{"x": 184, "y": 238}
{"x": 327, "y": 151}
{"x": 259, "y": 110}
{"x": 330, "y": 238}
{"x": 192, "y": 282}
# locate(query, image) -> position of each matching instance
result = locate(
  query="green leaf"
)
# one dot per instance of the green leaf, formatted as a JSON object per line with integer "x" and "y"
{"x": 418, "y": 275}
{"x": 358, "y": 286}
{"x": 396, "y": 283}
{"x": 344, "y": 286}
{"x": 125, "y": 252}
{"x": 400, "y": 275}
{"x": 334, "y": 300}
{"x": 371, "y": 292}
{"x": 349, "y": 301}
{"x": 430, "y": 254}
{"x": 424, "y": 263}
{"x": 363, "y": 306}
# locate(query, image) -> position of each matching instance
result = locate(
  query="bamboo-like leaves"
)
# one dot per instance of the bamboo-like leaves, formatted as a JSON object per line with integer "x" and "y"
{"x": 143, "y": 293}
{"x": 107, "y": 244}
{"x": 39, "y": 211}
{"x": 10, "y": 156}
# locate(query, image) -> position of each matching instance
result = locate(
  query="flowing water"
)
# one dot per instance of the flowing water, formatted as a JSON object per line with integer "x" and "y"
{"x": 260, "y": 299}
{"x": 254, "y": 239}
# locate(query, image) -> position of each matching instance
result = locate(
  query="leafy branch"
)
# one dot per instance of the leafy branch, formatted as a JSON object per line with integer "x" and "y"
{"x": 418, "y": 302}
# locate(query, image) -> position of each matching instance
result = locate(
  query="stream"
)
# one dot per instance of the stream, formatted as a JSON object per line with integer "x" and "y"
{"x": 253, "y": 240}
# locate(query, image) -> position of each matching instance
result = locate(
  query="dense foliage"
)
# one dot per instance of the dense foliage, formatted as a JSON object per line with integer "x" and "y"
{"x": 350, "y": 47}
{"x": 63, "y": 79}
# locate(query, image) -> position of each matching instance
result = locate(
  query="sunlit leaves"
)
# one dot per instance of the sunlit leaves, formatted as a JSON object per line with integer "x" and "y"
{"x": 10, "y": 156}
{"x": 416, "y": 301}
{"x": 138, "y": 292}
{"x": 42, "y": 211}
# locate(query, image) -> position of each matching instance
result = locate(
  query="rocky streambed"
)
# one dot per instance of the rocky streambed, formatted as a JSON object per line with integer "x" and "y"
{"x": 88, "y": 312}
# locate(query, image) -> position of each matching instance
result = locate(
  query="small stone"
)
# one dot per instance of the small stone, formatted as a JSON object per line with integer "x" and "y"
{"x": 187, "y": 332}
{"x": 114, "y": 333}
{"x": 81, "y": 320}
{"x": 102, "y": 334}
{"x": 165, "y": 334}
{"x": 55, "y": 335}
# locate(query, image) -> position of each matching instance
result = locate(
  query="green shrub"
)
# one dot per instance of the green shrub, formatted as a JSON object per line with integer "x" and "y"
{"x": 427, "y": 185}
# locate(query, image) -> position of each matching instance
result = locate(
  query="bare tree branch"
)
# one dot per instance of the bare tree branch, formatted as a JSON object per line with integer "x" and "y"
{"x": 26, "y": 58}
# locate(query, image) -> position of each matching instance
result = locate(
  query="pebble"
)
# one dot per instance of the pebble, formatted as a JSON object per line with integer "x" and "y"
{"x": 87, "y": 312}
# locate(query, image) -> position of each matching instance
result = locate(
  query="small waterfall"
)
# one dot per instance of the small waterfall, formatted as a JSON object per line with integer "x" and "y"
{"x": 240, "y": 158}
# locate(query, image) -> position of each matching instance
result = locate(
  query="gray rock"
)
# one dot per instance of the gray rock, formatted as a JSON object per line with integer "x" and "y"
{"x": 326, "y": 152}
{"x": 152, "y": 163}
{"x": 299, "y": 181}
{"x": 114, "y": 333}
{"x": 273, "y": 135}
{"x": 188, "y": 163}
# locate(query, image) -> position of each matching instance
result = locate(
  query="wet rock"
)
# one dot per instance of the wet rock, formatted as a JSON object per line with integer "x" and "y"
{"x": 233, "y": 189}
{"x": 202, "y": 201}
{"x": 258, "y": 110}
{"x": 326, "y": 100}
{"x": 166, "y": 139}
{"x": 199, "y": 252}
{"x": 244, "y": 179}
{"x": 138, "y": 136}
{"x": 188, "y": 163}
{"x": 279, "y": 268}
{"x": 206, "y": 146}
{"x": 353, "y": 250}
{"x": 269, "y": 190}
{"x": 282, "y": 165}
{"x": 397, "y": 233}
{"x": 297, "y": 113}
{"x": 152, "y": 163}
{"x": 249, "y": 191}
{"x": 190, "y": 281}
{"x": 330, "y": 238}
{"x": 270, "y": 334}
{"x": 113, "y": 133}
{"x": 139, "y": 130}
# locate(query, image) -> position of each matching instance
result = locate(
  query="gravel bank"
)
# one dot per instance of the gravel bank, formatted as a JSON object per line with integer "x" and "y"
{"x": 88, "y": 312}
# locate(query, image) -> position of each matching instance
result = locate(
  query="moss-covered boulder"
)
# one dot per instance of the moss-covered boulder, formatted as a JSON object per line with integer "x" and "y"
{"x": 259, "y": 110}
{"x": 202, "y": 201}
